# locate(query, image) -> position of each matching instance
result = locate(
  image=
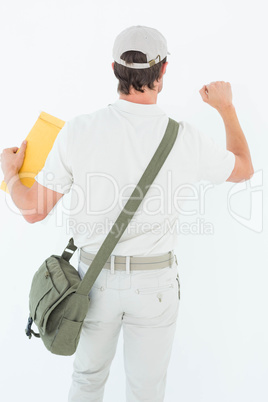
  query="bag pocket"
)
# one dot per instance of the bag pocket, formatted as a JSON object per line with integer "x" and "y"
{"x": 46, "y": 289}
{"x": 67, "y": 337}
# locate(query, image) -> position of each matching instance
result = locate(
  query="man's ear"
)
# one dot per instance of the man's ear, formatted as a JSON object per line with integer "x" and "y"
{"x": 113, "y": 65}
{"x": 163, "y": 69}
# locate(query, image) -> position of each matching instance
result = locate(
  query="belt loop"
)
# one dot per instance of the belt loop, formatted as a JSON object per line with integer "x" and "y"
{"x": 128, "y": 264}
{"x": 170, "y": 259}
{"x": 112, "y": 263}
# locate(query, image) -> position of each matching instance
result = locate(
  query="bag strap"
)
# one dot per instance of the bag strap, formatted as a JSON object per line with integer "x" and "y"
{"x": 129, "y": 209}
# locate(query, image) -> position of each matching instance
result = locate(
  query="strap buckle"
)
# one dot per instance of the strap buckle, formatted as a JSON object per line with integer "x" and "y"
{"x": 29, "y": 332}
{"x": 69, "y": 250}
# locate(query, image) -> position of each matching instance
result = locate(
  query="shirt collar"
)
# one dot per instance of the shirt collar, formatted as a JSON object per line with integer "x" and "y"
{"x": 137, "y": 108}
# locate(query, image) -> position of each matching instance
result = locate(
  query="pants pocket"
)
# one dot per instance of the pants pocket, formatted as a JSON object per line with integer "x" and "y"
{"x": 154, "y": 290}
{"x": 178, "y": 279}
{"x": 179, "y": 290}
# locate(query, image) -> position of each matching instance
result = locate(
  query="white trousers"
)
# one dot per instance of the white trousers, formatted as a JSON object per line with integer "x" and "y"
{"x": 146, "y": 304}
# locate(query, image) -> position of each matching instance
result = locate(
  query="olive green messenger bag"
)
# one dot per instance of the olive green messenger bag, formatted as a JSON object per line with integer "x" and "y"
{"x": 59, "y": 299}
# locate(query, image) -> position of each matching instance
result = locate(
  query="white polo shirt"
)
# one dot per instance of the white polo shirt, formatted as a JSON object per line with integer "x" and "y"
{"x": 101, "y": 157}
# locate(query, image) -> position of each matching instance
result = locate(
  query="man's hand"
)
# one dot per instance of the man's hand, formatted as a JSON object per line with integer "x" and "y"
{"x": 11, "y": 161}
{"x": 217, "y": 94}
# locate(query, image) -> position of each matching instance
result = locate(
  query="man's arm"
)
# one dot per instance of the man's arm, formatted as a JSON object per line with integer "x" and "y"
{"x": 236, "y": 142}
{"x": 35, "y": 202}
{"x": 218, "y": 94}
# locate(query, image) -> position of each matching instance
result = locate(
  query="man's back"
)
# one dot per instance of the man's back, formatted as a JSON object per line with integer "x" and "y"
{"x": 107, "y": 152}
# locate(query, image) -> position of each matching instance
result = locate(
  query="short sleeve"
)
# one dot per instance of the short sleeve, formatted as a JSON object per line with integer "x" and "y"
{"x": 213, "y": 162}
{"x": 57, "y": 171}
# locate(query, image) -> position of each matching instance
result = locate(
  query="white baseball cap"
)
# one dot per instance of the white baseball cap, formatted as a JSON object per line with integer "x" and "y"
{"x": 143, "y": 39}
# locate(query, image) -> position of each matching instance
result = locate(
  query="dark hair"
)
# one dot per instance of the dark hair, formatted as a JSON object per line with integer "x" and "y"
{"x": 137, "y": 78}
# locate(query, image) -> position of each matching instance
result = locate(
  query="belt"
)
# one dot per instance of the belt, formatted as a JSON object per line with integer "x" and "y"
{"x": 120, "y": 263}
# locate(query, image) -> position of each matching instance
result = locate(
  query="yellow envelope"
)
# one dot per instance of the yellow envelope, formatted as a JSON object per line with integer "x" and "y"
{"x": 40, "y": 141}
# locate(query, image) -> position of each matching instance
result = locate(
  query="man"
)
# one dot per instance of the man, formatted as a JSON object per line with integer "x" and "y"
{"x": 101, "y": 157}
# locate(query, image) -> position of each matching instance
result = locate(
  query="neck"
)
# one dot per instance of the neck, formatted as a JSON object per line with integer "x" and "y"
{"x": 145, "y": 98}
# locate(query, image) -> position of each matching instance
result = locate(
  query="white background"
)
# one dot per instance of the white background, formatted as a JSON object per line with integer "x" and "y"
{"x": 56, "y": 57}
